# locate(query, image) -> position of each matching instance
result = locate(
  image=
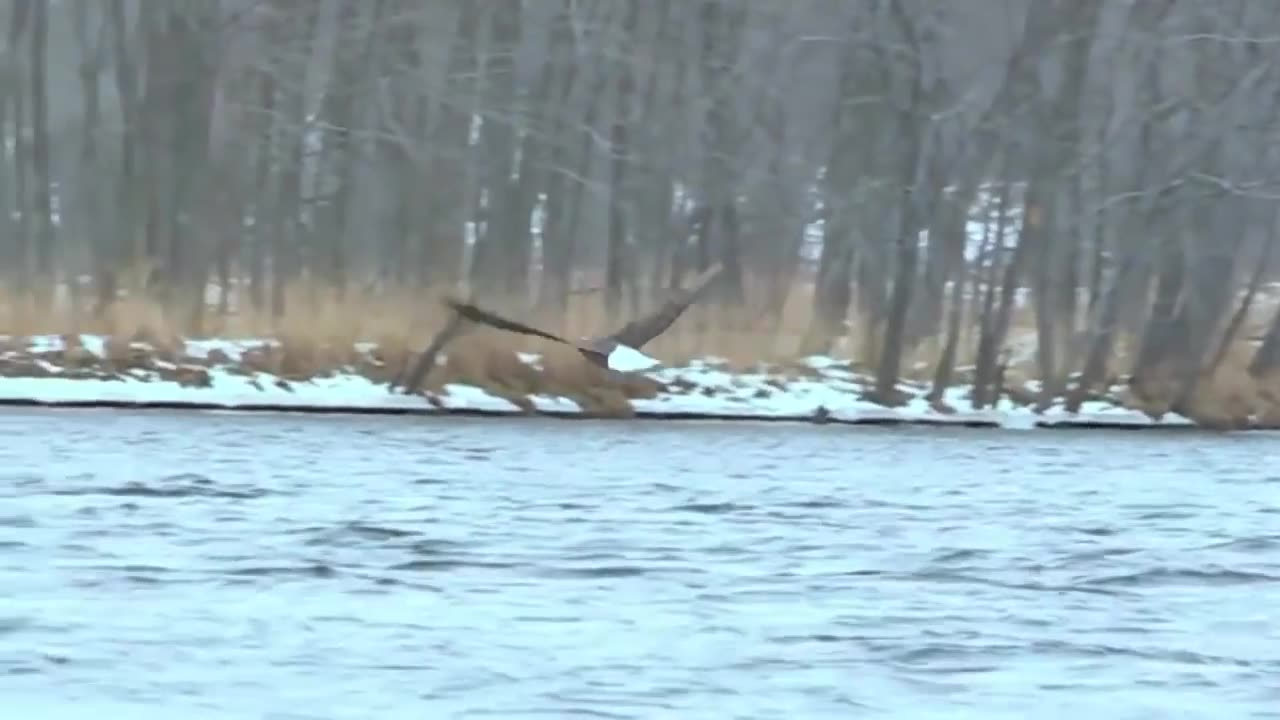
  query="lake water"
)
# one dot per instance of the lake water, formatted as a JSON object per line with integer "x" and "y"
{"x": 273, "y": 566}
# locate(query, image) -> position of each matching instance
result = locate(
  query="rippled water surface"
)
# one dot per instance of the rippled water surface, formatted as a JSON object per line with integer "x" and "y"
{"x": 221, "y": 566}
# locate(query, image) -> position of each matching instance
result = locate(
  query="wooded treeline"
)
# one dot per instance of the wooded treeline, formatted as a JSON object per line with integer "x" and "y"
{"x": 887, "y": 152}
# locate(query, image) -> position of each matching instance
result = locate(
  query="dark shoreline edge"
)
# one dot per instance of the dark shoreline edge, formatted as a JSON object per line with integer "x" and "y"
{"x": 974, "y": 423}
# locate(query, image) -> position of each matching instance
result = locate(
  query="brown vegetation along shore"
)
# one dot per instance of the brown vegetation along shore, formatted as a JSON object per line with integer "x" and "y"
{"x": 321, "y": 377}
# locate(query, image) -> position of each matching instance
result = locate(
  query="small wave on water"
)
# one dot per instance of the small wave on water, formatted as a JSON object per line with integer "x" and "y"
{"x": 1163, "y": 577}
{"x": 456, "y": 569}
{"x": 183, "y": 485}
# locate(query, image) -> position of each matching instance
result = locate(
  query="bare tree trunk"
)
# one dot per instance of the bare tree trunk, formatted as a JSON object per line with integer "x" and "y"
{"x": 261, "y": 205}
{"x": 833, "y": 288}
{"x": 721, "y": 26}
{"x": 446, "y": 174}
{"x": 615, "y": 259}
{"x": 17, "y": 215}
{"x": 104, "y": 249}
{"x": 1232, "y": 331}
{"x": 1103, "y": 331}
{"x": 498, "y": 146}
{"x": 1266, "y": 361}
{"x": 953, "y": 236}
{"x": 995, "y": 323}
{"x": 42, "y": 208}
{"x": 129, "y": 188}
{"x": 286, "y": 259}
{"x": 916, "y": 183}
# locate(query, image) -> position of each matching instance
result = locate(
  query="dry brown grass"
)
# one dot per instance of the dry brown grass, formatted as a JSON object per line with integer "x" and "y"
{"x": 319, "y": 329}
{"x": 1227, "y": 399}
{"x": 317, "y": 318}
{"x": 317, "y": 322}
{"x": 318, "y": 333}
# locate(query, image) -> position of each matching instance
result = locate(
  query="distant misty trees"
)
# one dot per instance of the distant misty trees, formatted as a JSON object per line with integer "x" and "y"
{"x": 1107, "y": 172}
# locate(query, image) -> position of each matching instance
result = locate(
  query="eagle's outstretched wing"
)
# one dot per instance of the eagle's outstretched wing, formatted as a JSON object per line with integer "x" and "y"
{"x": 412, "y": 379}
{"x": 643, "y": 329}
{"x": 478, "y": 315}
{"x": 634, "y": 334}
{"x": 464, "y": 316}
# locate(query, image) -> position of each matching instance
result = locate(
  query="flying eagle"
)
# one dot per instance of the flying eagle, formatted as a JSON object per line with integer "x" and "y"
{"x": 619, "y": 351}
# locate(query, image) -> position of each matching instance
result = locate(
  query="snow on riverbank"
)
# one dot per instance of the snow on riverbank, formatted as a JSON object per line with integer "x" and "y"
{"x": 828, "y": 390}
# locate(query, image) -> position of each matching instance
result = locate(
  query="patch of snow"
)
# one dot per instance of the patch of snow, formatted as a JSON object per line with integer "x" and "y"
{"x": 627, "y": 359}
{"x": 46, "y": 343}
{"x": 233, "y": 349}
{"x": 232, "y": 390}
{"x": 463, "y": 397}
{"x": 822, "y": 362}
{"x": 702, "y": 388}
{"x": 1106, "y": 412}
{"x": 96, "y": 344}
{"x": 555, "y": 405}
{"x": 196, "y": 348}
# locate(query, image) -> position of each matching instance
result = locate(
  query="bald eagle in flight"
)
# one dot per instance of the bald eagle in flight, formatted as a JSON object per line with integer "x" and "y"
{"x": 618, "y": 351}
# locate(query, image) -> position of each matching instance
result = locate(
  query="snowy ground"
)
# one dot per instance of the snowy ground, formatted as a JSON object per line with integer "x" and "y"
{"x": 702, "y": 389}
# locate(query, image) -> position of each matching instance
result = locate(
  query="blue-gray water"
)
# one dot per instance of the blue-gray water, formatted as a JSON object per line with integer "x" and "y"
{"x": 223, "y": 566}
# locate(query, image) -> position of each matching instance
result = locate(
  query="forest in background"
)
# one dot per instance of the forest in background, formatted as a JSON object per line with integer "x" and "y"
{"x": 923, "y": 184}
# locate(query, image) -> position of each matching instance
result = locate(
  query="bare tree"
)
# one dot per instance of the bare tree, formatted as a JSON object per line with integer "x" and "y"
{"x": 980, "y": 193}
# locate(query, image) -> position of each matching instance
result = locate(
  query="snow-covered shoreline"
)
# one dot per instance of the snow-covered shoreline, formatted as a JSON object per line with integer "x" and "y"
{"x": 828, "y": 391}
